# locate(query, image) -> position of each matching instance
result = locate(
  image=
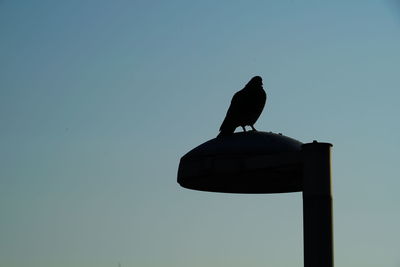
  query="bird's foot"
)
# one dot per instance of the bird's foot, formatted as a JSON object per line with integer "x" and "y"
{"x": 253, "y": 129}
{"x": 244, "y": 128}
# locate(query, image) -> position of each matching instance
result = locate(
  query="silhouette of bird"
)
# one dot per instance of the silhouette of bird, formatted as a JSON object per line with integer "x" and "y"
{"x": 246, "y": 106}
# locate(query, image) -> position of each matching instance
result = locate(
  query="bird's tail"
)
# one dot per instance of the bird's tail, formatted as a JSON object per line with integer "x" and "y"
{"x": 226, "y": 128}
{"x": 225, "y": 131}
{"x": 222, "y": 134}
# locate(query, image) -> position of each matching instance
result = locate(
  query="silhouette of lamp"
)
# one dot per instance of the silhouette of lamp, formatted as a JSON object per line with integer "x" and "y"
{"x": 261, "y": 162}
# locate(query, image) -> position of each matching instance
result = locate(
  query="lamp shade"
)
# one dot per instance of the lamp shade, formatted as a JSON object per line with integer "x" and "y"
{"x": 245, "y": 162}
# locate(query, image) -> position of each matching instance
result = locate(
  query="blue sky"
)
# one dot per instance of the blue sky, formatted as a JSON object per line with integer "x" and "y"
{"x": 100, "y": 99}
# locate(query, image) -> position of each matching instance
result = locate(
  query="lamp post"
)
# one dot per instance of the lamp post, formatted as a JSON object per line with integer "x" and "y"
{"x": 261, "y": 162}
{"x": 317, "y": 205}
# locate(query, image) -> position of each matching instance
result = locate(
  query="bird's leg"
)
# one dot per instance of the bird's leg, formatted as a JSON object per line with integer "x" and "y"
{"x": 252, "y": 127}
{"x": 244, "y": 128}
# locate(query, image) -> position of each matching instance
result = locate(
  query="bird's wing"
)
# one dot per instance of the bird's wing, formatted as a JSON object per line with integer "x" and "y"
{"x": 233, "y": 112}
{"x": 236, "y": 103}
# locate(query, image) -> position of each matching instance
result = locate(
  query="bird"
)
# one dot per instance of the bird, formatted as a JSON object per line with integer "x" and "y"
{"x": 245, "y": 108}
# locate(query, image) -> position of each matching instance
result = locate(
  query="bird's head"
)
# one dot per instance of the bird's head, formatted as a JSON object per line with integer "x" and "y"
{"x": 255, "y": 81}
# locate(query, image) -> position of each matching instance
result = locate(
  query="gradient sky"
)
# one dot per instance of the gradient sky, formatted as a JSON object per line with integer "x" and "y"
{"x": 100, "y": 99}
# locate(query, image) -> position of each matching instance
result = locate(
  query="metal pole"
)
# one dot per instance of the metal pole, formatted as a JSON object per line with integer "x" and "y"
{"x": 317, "y": 205}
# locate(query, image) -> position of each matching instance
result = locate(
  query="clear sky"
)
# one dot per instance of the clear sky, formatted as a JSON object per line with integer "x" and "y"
{"x": 100, "y": 99}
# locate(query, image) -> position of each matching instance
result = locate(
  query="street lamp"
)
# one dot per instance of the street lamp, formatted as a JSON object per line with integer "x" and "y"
{"x": 265, "y": 162}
